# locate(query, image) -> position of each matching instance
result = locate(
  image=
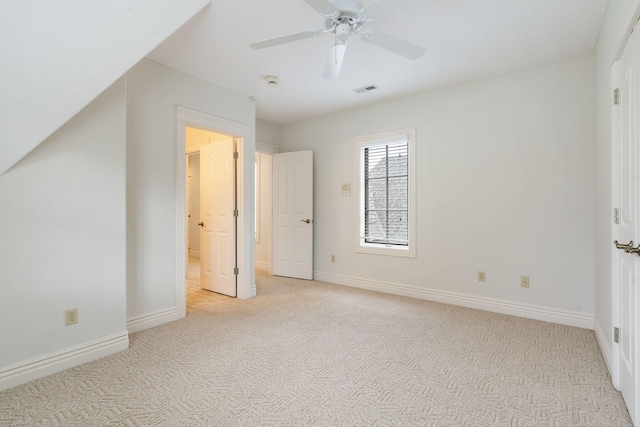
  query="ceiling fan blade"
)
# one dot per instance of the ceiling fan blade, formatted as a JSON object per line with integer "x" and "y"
{"x": 286, "y": 39}
{"x": 323, "y": 7}
{"x": 334, "y": 60}
{"x": 394, "y": 44}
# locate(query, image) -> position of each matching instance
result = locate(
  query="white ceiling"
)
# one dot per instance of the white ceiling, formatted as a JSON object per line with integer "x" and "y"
{"x": 465, "y": 40}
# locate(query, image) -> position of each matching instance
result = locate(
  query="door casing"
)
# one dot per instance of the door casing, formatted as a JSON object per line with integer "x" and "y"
{"x": 246, "y": 152}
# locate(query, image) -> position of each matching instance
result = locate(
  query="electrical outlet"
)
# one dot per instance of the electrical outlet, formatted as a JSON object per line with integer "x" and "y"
{"x": 482, "y": 276}
{"x": 524, "y": 281}
{"x": 333, "y": 258}
{"x": 71, "y": 316}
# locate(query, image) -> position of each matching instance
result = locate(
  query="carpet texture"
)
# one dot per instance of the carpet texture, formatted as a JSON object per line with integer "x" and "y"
{"x": 310, "y": 353}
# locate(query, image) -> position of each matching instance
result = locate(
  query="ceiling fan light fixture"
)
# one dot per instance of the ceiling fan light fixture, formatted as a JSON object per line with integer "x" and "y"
{"x": 343, "y": 32}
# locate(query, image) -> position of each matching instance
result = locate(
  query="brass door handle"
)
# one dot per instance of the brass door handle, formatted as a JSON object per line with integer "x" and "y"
{"x": 201, "y": 224}
{"x": 628, "y": 248}
{"x": 308, "y": 221}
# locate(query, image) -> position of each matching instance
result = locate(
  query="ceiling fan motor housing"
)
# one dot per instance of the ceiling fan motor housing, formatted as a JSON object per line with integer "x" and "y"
{"x": 349, "y": 16}
{"x": 348, "y": 7}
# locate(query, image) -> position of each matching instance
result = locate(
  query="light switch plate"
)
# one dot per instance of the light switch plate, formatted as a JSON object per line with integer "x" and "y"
{"x": 345, "y": 188}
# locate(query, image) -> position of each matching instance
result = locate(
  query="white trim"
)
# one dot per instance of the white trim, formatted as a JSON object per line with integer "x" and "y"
{"x": 546, "y": 314}
{"x": 245, "y": 193}
{"x": 379, "y": 139}
{"x": 154, "y": 319}
{"x": 258, "y": 184}
{"x": 205, "y": 121}
{"x": 182, "y": 243}
{"x": 625, "y": 33}
{"x": 265, "y": 147}
{"x": 263, "y": 265}
{"x": 605, "y": 347}
{"x": 70, "y": 357}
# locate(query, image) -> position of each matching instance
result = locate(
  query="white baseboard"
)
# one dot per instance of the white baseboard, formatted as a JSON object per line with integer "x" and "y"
{"x": 605, "y": 345}
{"x": 58, "y": 361}
{"x": 262, "y": 265}
{"x": 546, "y": 314}
{"x": 152, "y": 320}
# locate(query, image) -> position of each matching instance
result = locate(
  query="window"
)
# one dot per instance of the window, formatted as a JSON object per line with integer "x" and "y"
{"x": 386, "y": 206}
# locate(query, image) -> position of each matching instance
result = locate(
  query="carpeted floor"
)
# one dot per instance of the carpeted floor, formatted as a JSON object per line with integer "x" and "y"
{"x": 308, "y": 353}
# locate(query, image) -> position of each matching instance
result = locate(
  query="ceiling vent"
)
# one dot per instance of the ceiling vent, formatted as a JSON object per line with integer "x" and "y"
{"x": 366, "y": 89}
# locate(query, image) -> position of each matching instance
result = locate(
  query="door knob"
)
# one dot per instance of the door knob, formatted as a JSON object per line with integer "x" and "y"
{"x": 628, "y": 248}
{"x": 308, "y": 221}
{"x": 201, "y": 224}
{"x": 624, "y": 247}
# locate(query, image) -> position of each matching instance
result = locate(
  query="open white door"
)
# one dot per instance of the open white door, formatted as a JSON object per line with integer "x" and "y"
{"x": 292, "y": 254}
{"x": 217, "y": 205}
{"x": 626, "y": 263}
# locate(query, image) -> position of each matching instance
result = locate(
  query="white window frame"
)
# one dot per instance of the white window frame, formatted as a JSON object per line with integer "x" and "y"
{"x": 361, "y": 142}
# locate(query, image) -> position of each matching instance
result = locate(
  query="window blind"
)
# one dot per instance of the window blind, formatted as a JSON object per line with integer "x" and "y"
{"x": 386, "y": 194}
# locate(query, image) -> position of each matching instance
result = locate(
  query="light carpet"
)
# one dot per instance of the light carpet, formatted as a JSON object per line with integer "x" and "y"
{"x": 310, "y": 353}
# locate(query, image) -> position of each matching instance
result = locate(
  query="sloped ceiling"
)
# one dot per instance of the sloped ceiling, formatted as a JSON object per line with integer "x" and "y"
{"x": 57, "y": 56}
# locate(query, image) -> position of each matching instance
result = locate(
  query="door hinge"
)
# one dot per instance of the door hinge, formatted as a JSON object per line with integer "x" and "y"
{"x": 236, "y": 213}
{"x": 616, "y": 335}
{"x": 616, "y": 215}
{"x": 236, "y": 271}
{"x": 616, "y": 96}
{"x": 235, "y": 155}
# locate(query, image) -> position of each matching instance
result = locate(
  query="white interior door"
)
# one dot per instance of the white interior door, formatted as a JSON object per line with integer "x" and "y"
{"x": 625, "y": 229}
{"x": 292, "y": 254}
{"x": 217, "y": 205}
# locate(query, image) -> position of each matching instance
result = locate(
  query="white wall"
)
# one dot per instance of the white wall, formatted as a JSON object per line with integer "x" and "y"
{"x": 154, "y": 92}
{"x": 263, "y": 244}
{"x": 615, "y": 27}
{"x": 505, "y": 184}
{"x": 58, "y": 56}
{"x": 268, "y": 132}
{"x": 62, "y": 222}
{"x": 194, "y": 205}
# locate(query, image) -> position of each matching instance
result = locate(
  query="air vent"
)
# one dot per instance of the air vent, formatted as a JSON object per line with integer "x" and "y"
{"x": 366, "y": 89}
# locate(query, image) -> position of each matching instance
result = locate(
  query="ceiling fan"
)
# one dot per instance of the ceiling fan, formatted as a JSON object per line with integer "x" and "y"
{"x": 343, "y": 18}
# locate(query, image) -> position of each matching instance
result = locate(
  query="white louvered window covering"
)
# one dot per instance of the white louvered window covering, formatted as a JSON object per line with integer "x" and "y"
{"x": 386, "y": 194}
{"x": 386, "y": 190}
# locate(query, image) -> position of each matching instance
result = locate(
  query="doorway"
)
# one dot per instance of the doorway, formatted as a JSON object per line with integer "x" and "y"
{"x": 263, "y": 212}
{"x": 209, "y": 266}
{"x": 242, "y": 136}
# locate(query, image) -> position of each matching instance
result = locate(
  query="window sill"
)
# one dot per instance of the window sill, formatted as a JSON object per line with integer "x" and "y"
{"x": 407, "y": 252}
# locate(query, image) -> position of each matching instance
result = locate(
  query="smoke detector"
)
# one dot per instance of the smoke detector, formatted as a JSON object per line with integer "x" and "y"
{"x": 272, "y": 80}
